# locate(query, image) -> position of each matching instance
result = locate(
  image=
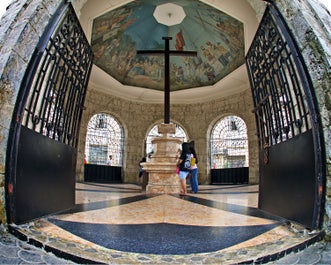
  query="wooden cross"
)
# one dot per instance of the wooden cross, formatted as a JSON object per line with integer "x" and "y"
{"x": 167, "y": 54}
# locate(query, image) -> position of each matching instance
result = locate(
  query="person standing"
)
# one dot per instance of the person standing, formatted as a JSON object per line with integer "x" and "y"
{"x": 194, "y": 169}
{"x": 110, "y": 160}
{"x": 143, "y": 174}
{"x": 184, "y": 164}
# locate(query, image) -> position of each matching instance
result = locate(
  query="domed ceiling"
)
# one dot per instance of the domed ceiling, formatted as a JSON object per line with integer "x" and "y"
{"x": 217, "y": 38}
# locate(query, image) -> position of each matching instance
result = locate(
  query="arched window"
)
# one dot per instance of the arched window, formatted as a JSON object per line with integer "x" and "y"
{"x": 180, "y": 133}
{"x": 229, "y": 143}
{"x": 104, "y": 138}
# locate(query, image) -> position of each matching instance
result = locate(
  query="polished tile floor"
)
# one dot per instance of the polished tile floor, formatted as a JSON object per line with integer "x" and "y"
{"x": 118, "y": 224}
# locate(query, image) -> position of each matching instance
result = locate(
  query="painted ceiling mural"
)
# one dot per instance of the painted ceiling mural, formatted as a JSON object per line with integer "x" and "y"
{"x": 217, "y": 38}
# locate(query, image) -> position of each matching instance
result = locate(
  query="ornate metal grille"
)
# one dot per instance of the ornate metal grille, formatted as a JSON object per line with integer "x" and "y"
{"x": 55, "y": 101}
{"x": 229, "y": 143}
{"x": 279, "y": 98}
{"x": 288, "y": 124}
{"x": 180, "y": 133}
{"x": 104, "y": 138}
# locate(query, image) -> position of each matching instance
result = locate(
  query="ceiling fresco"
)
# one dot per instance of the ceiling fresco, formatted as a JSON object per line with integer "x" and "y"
{"x": 217, "y": 38}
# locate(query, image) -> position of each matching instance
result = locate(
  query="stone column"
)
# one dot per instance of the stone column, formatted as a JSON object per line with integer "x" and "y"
{"x": 161, "y": 167}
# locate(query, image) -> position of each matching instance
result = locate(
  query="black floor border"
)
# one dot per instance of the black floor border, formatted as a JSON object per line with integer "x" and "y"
{"x": 163, "y": 238}
{"x": 233, "y": 208}
{"x": 84, "y": 207}
{"x": 278, "y": 255}
{"x": 77, "y": 259}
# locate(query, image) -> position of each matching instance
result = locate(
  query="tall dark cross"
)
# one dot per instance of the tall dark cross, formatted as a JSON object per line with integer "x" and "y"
{"x": 167, "y": 54}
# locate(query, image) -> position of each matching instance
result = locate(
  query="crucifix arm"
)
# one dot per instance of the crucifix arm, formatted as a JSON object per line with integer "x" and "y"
{"x": 150, "y": 52}
{"x": 167, "y": 52}
{"x": 183, "y": 53}
{"x": 177, "y": 53}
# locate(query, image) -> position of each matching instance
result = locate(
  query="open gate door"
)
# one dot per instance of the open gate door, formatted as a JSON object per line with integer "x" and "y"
{"x": 291, "y": 155}
{"x": 42, "y": 150}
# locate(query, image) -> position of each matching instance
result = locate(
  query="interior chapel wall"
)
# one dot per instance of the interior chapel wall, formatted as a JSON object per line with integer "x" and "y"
{"x": 197, "y": 120}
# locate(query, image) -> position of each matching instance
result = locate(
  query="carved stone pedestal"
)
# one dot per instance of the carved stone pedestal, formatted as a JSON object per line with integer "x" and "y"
{"x": 161, "y": 167}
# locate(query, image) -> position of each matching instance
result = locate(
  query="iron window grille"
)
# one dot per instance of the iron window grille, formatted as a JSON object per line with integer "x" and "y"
{"x": 229, "y": 143}
{"x": 104, "y": 137}
{"x": 280, "y": 101}
{"x": 58, "y": 84}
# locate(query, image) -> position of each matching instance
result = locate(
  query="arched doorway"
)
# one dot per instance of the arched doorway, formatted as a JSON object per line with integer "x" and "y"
{"x": 180, "y": 133}
{"x": 103, "y": 149}
{"x": 229, "y": 151}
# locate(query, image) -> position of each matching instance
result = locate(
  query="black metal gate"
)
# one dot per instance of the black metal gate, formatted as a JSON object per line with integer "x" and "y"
{"x": 292, "y": 174}
{"x": 41, "y": 155}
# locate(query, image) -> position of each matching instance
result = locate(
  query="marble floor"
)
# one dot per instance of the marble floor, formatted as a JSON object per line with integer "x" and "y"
{"x": 119, "y": 224}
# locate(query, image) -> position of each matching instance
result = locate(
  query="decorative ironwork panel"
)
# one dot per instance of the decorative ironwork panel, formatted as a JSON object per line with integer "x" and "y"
{"x": 42, "y": 145}
{"x": 104, "y": 138}
{"x": 279, "y": 98}
{"x": 229, "y": 143}
{"x": 180, "y": 133}
{"x": 292, "y": 167}
{"x": 55, "y": 101}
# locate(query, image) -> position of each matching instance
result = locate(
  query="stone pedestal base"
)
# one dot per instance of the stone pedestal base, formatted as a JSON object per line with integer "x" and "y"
{"x": 161, "y": 167}
{"x": 162, "y": 178}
